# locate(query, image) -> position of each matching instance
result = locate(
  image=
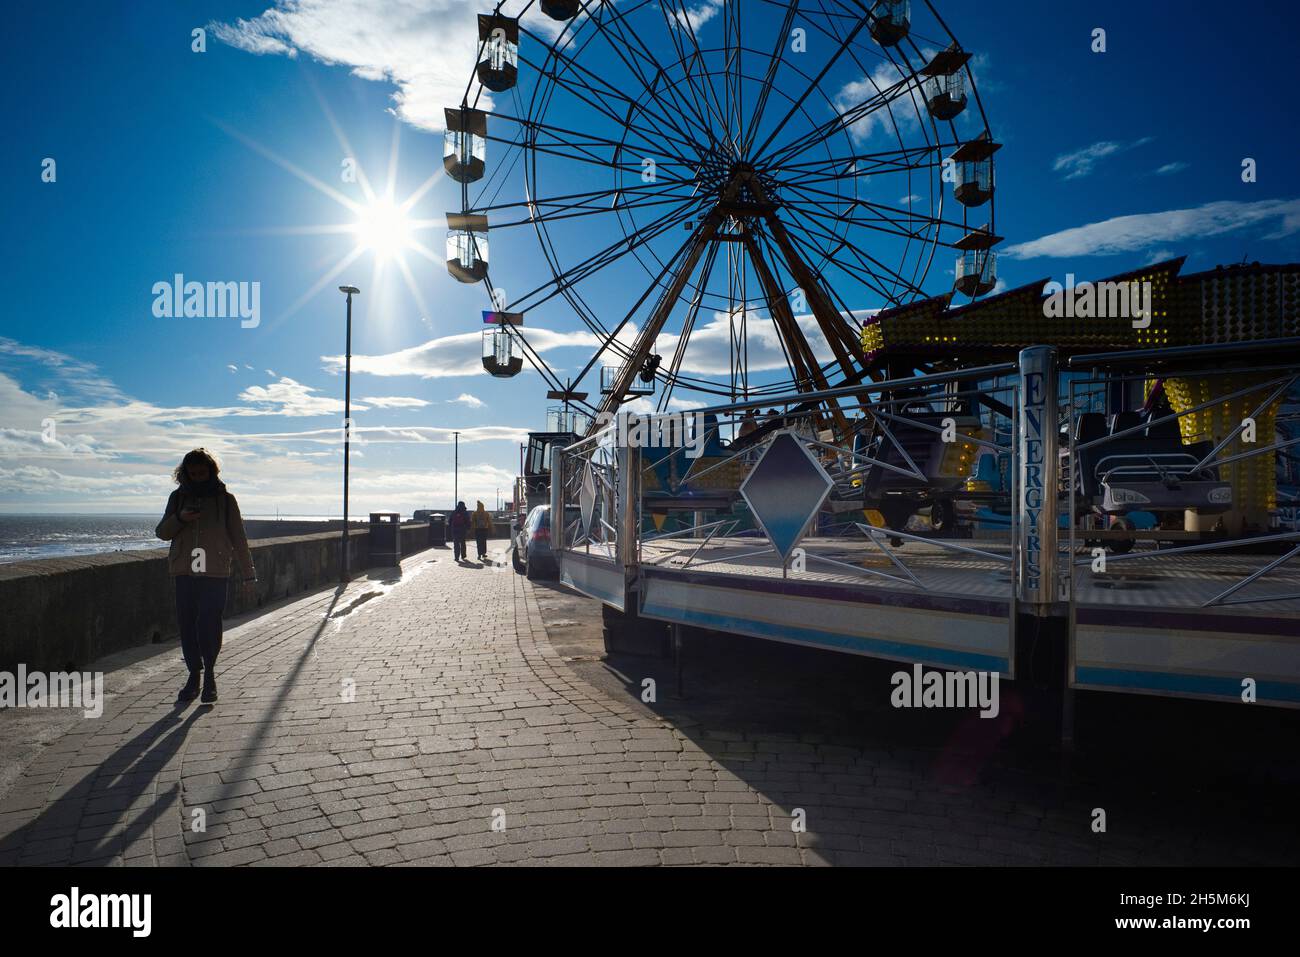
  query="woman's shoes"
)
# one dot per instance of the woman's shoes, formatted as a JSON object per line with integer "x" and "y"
{"x": 190, "y": 691}
{"x": 209, "y": 690}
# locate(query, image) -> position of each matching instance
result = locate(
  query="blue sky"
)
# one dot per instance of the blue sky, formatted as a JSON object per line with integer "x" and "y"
{"x": 222, "y": 165}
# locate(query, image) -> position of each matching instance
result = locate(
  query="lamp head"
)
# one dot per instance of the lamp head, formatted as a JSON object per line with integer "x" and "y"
{"x": 350, "y": 290}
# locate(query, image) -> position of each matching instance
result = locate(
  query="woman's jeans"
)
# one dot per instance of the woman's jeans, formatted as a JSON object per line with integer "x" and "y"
{"x": 458, "y": 545}
{"x": 199, "y": 603}
{"x": 480, "y": 539}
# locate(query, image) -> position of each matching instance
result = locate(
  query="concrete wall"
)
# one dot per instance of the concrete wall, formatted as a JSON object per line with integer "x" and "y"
{"x": 64, "y": 613}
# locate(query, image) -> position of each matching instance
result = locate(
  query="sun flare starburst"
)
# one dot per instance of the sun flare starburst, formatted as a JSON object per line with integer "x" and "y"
{"x": 382, "y": 226}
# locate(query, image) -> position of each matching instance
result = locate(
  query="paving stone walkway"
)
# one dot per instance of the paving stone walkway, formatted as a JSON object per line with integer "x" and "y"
{"x": 429, "y": 721}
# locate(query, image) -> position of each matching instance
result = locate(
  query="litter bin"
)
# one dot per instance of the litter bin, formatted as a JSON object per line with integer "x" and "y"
{"x": 438, "y": 530}
{"x": 385, "y": 538}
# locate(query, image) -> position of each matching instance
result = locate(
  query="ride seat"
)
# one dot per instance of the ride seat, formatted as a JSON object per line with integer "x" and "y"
{"x": 1090, "y": 425}
{"x": 1125, "y": 420}
{"x": 1164, "y": 433}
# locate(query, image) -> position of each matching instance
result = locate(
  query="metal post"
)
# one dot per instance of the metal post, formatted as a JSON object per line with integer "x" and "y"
{"x": 629, "y": 473}
{"x": 344, "y": 569}
{"x": 455, "y": 482}
{"x": 557, "y": 507}
{"x": 1037, "y": 449}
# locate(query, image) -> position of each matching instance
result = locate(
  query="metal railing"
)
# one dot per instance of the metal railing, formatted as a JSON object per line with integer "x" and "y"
{"x": 1180, "y": 479}
{"x": 858, "y": 435}
{"x": 626, "y": 504}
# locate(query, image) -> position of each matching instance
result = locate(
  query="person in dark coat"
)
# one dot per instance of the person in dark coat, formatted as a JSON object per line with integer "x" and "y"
{"x": 208, "y": 544}
{"x": 459, "y": 530}
{"x": 482, "y": 524}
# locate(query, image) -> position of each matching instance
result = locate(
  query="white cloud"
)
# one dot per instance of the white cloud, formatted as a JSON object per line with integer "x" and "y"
{"x": 456, "y": 355}
{"x": 900, "y": 113}
{"x": 395, "y": 402}
{"x": 708, "y": 351}
{"x": 1175, "y": 167}
{"x": 1147, "y": 230}
{"x": 1080, "y": 163}
{"x": 114, "y": 453}
{"x": 648, "y": 406}
{"x": 425, "y": 48}
{"x": 699, "y": 15}
{"x": 233, "y": 369}
{"x": 75, "y": 379}
{"x": 466, "y": 399}
{"x": 293, "y": 398}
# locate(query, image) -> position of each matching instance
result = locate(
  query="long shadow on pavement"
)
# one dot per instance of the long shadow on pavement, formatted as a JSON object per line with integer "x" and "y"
{"x": 84, "y": 825}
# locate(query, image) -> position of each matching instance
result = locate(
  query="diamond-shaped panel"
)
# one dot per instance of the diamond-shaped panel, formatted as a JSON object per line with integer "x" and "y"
{"x": 785, "y": 490}
{"x": 587, "y": 500}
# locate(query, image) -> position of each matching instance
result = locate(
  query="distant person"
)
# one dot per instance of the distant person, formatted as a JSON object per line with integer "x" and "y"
{"x": 203, "y": 523}
{"x": 481, "y": 522}
{"x": 459, "y": 528}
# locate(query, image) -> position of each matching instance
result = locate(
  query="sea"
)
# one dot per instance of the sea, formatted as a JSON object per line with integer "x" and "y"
{"x": 25, "y": 537}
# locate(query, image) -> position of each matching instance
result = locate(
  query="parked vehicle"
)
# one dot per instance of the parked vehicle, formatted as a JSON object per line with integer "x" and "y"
{"x": 532, "y": 553}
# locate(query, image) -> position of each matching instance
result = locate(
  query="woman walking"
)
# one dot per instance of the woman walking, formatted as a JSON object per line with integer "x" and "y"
{"x": 206, "y": 532}
{"x": 482, "y": 523}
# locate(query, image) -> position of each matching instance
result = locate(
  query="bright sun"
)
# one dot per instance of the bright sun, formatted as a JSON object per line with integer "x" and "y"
{"x": 383, "y": 228}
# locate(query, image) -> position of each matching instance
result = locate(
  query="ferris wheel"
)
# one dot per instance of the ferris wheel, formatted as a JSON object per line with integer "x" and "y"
{"x": 718, "y": 196}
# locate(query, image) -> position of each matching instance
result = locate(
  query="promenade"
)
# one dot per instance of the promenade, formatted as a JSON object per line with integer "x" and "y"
{"x": 428, "y": 718}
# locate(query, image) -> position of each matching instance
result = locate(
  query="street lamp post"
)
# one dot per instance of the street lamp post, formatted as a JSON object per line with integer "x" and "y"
{"x": 455, "y": 482}
{"x": 350, "y": 291}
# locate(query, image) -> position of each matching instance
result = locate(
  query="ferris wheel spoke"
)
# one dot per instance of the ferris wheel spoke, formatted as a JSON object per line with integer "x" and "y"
{"x": 843, "y": 341}
{"x": 595, "y": 99}
{"x": 866, "y": 276}
{"x": 904, "y": 158}
{"x": 869, "y": 262}
{"x": 582, "y": 144}
{"x": 646, "y": 195}
{"x": 576, "y": 211}
{"x": 908, "y": 82}
{"x": 815, "y": 205}
{"x": 636, "y": 47}
{"x": 601, "y": 88}
{"x": 845, "y": 121}
{"x": 814, "y": 85}
{"x": 675, "y": 25}
{"x": 775, "y": 60}
{"x": 534, "y": 357}
{"x": 794, "y": 346}
{"x": 607, "y": 255}
{"x": 689, "y": 256}
{"x": 734, "y": 44}
{"x": 656, "y": 134}
{"x": 688, "y": 325}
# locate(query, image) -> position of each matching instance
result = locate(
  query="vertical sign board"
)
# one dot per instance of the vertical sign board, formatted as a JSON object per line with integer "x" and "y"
{"x": 1038, "y": 441}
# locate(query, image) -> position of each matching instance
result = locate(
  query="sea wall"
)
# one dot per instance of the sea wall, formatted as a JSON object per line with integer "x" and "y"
{"x": 64, "y": 613}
